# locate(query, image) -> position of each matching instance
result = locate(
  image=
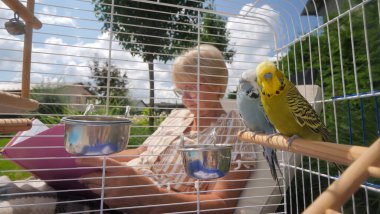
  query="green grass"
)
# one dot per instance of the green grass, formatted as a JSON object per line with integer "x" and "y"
{"x": 7, "y": 166}
{"x": 140, "y": 130}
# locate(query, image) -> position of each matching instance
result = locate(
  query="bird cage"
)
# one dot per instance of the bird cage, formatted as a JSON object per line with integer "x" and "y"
{"x": 116, "y": 53}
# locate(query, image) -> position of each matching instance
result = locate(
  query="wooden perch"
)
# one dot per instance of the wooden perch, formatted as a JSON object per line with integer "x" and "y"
{"x": 14, "y": 125}
{"x": 13, "y": 101}
{"x": 342, "y": 189}
{"x": 24, "y": 13}
{"x": 338, "y": 153}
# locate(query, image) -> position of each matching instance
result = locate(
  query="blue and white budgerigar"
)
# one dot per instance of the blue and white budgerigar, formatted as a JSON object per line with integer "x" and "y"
{"x": 253, "y": 114}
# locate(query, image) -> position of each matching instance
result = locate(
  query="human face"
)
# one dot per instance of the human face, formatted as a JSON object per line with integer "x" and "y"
{"x": 186, "y": 90}
{"x": 208, "y": 97}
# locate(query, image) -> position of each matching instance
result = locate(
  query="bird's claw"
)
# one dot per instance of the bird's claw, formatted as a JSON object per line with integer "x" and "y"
{"x": 254, "y": 133}
{"x": 272, "y": 135}
{"x": 290, "y": 140}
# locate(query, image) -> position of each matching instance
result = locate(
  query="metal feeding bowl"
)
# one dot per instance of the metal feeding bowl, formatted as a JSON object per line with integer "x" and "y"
{"x": 206, "y": 162}
{"x": 96, "y": 135}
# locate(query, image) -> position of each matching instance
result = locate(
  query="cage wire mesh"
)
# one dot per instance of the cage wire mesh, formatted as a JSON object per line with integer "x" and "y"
{"x": 113, "y": 54}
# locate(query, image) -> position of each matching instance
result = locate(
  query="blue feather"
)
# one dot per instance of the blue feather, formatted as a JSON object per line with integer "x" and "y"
{"x": 252, "y": 113}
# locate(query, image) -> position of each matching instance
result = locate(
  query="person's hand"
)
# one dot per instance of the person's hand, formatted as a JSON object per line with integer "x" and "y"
{"x": 122, "y": 184}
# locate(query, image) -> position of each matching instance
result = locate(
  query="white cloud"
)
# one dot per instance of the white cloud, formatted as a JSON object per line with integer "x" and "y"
{"x": 5, "y": 13}
{"x": 11, "y": 56}
{"x": 68, "y": 60}
{"x": 50, "y": 17}
{"x": 58, "y": 57}
{"x": 252, "y": 39}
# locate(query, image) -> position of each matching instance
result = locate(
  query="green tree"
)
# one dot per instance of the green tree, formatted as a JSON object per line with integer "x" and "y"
{"x": 214, "y": 31}
{"x": 47, "y": 94}
{"x": 339, "y": 53}
{"x": 155, "y": 30}
{"x": 117, "y": 92}
{"x": 345, "y": 68}
{"x": 52, "y": 102}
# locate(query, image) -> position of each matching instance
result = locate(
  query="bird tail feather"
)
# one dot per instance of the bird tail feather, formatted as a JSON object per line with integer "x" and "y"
{"x": 271, "y": 157}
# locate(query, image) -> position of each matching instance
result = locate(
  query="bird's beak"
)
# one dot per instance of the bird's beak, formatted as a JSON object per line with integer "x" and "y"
{"x": 268, "y": 76}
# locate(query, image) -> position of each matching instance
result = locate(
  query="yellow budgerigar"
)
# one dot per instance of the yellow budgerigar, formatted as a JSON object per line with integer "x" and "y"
{"x": 289, "y": 112}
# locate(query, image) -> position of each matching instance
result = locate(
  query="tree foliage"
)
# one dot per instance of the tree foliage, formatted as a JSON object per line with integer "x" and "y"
{"x": 339, "y": 53}
{"x": 116, "y": 91}
{"x": 214, "y": 31}
{"x": 47, "y": 94}
{"x": 149, "y": 29}
{"x": 160, "y": 30}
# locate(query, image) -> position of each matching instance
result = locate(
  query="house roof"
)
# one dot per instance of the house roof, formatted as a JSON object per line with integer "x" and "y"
{"x": 169, "y": 105}
{"x": 140, "y": 102}
{"x": 13, "y": 86}
{"x": 77, "y": 88}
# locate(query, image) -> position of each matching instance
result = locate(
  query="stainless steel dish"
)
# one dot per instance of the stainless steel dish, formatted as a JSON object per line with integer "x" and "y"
{"x": 206, "y": 162}
{"x": 96, "y": 135}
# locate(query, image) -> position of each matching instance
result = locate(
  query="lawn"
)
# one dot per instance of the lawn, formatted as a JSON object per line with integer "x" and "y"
{"x": 10, "y": 169}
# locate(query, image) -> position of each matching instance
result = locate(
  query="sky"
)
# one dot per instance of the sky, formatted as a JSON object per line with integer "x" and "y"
{"x": 70, "y": 38}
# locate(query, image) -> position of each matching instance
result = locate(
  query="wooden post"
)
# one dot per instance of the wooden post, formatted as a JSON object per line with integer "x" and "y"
{"x": 339, "y": 191}
{"x": 26, "y": 63}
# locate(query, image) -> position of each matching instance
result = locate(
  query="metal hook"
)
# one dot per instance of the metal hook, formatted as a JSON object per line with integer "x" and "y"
{"x": 127, "y": 110}
{"x": 89, "y": 109}
{"x": 213, "y": 135}
{"x": 16, "y": 16}
{"x": 181, "y": 141}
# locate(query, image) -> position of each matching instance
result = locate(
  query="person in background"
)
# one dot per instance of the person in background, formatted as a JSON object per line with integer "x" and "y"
{"x": 150, "y": 178}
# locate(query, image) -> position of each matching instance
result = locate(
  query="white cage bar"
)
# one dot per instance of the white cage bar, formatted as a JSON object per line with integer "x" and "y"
{"x": 92, "y": 52}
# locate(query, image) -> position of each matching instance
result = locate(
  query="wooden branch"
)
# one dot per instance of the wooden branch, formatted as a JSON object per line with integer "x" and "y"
{"x": 17, "y": 102}
{"x": 342, "y": 189}
{"x": 338, "y": 153}
{"x": 14, "y": 125}
{"x": 24, "y": 13}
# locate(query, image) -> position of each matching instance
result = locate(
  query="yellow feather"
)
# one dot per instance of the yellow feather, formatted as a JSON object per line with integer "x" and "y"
{"x": 286, "y": 108}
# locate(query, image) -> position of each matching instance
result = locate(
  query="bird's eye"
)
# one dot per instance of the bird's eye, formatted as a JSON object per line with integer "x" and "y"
{"x": 252, "y": 94}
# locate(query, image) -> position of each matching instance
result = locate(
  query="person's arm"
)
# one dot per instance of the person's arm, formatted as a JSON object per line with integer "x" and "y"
{"x": 138, "y": 190}
{"x": 223, "y": 197}
{"x": 175, "y": 115}
{"x": 128, "y": 154}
